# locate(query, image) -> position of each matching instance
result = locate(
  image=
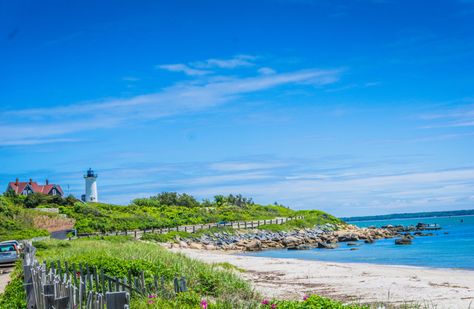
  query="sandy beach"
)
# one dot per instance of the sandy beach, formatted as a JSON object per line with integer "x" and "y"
{"x": 351, "y": 282}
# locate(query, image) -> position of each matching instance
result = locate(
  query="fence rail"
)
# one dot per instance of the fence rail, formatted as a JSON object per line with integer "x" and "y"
{"x": 193, "y": 228}
{"x": 61, "y": 285}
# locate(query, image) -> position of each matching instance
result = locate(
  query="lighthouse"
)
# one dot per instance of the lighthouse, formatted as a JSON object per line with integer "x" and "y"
{"x": 91, "y": 187}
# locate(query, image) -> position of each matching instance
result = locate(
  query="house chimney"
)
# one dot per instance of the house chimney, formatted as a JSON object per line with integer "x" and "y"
{"x": 47, "y": 181}
{"x": 31, "y": 180}
{"x": 16, "y": 182}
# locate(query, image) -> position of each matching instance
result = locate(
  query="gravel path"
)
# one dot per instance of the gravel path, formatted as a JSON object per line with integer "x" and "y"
{"x": 4, "y": 277}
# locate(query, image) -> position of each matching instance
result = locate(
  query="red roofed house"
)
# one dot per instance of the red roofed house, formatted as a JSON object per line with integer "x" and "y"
{"x": 25, "y": 188}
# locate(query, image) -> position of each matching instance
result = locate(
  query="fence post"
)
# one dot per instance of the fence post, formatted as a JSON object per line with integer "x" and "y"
{"x": 117, "y": 299}
{"x": 48, "y": 296}
{"x": 30, "y": 297}
{"x": 194, "y": 228}
{"x": 245, "y": 224}
{"x": 135, "y": 234}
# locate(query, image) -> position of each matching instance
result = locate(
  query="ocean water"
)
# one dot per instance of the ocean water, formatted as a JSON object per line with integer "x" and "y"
{"x": 451, "y": 247}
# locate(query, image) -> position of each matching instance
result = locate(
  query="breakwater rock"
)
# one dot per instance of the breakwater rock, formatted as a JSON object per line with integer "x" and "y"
{"x": 326, "y": 236}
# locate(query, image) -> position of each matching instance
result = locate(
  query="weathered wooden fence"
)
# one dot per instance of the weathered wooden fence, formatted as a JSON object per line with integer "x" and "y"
{"x": 63, "y": 286}
{"x": 194, "y": 228}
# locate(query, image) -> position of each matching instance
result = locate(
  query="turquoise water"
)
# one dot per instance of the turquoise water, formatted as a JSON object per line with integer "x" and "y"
{"x": 452, "y": 250}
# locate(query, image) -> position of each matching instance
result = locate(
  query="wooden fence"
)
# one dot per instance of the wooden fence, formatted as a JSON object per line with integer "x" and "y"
{"x": 194, "y": 228}
{"x": 63, "y": 286}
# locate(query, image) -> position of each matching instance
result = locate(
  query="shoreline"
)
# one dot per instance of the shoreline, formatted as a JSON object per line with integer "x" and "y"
{"x": 292, "y": 278}
{"x": 243, "y": 253}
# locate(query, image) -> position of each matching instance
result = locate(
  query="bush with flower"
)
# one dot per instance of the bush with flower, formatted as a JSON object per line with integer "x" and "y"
{"x": 308, "y": 302}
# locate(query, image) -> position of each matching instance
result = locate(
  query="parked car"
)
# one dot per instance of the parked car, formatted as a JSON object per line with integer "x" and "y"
{"x": 18, "y": 244}
{"x": 9, "y": 253}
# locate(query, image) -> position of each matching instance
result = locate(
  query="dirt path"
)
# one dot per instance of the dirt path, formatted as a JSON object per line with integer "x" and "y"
{"x": 4, "y": 277}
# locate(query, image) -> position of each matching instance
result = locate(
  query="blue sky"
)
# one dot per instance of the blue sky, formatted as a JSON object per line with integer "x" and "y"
{"x": 353, "y": 107}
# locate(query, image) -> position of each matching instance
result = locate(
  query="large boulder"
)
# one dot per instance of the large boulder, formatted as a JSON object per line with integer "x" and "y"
{"x": 403, "y": 241}
{"x": 292, "y": 241}
{"x": 300, "y": 247}
{"x": 348, "y": 237}
{"x": 253, "y": 245}
{"x": 325, "y": 245}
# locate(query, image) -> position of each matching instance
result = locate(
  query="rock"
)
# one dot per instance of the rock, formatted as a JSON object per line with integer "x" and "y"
{"x": 352, "y": 249}
{"x": 195, "y": 245}
{"x": 291, "y": 241}
{"x": 254, "y": 245}
{"x": 403, "y": 241}
{"x": 324, "y": 245}
{"x": 210, "y": 247}
{"x": 300, "y": 247}
{"x": 183, "y": 244}
{"x": 353, "y": 244}
{"x": 369, "y": 240}
{"x": 347, "y": 237}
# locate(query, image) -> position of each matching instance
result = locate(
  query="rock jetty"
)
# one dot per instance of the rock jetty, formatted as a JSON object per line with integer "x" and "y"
{"x": 327, "y": 236}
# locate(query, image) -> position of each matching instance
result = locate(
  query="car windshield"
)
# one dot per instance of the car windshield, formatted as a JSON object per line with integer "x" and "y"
{"x": 7, "y": 248}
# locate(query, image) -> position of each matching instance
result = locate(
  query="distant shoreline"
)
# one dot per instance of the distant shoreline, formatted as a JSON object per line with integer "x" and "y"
{"x": 396, "y": 219}
{"x": 415, "y": 215}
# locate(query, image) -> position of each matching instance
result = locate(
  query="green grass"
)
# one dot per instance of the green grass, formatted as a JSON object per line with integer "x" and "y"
{"x": 16, "y": 222}
{"x": 218, "y": 284}
{"x": 312, "y": 302}
{"x": 146, "y": 213}
{"x": 117, "y": 256}
{"x": 229, "y": 266}
{"x": 167, "y": 237}
{"x": 14, "y": 295}
{"x": 173, "y": 236}
{"x": 311, "y": 219}
{"x": 94, "y": 217}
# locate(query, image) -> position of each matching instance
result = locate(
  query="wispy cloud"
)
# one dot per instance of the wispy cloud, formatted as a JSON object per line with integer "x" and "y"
{"x": 183, "y": 97}
{"x": 458, "y": 116}
{"x": 183, "y": 68}
{"x": 266, "y": 71}
{"x": 244, "y": 166}
{"x": 28, "y": 142}
{"x": 200, "y": 68}
{"x": 232, "y": 63}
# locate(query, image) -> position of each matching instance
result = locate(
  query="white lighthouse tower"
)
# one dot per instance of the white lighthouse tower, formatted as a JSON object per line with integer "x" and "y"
{"x": 91, "y": 187}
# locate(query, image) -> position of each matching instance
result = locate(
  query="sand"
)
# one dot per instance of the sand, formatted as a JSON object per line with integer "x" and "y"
{"x": 351, "y": 282}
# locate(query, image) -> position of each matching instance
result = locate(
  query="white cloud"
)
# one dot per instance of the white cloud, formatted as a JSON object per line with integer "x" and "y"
{"x": 28, "y": 142}
{"x": 180, "y": 98}
{"x": 183, "y": 68}
{"x": 266, "y": 71}
{"x": 462, "y": 116}
{"x": 358, "y": 194}
{"x": 232, "y": 63}
{"x": 130, "y": 79}
{"x": 244, "y": 166}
